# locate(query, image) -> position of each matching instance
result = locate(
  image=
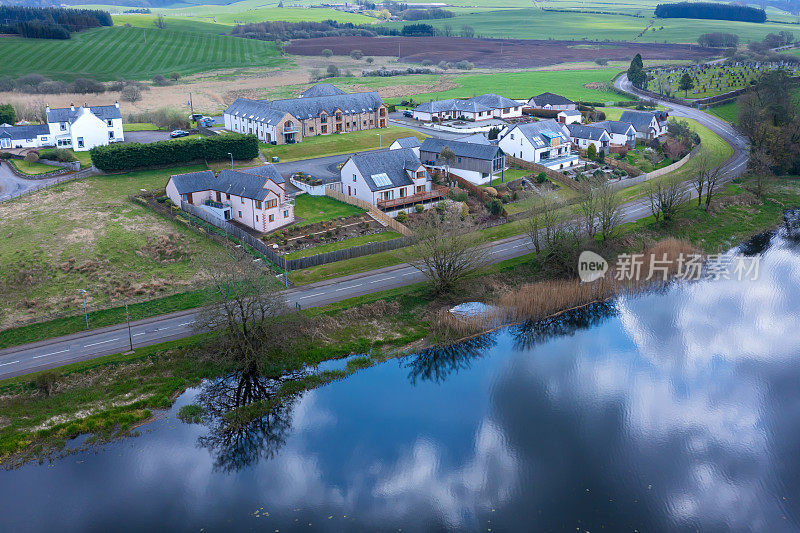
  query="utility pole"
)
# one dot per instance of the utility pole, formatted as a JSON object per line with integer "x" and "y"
{"x": 191, "y": 103}
{"x": 85, "y": 313}
{"x": 128, "y": 316}
{"x": 285, "y": 272}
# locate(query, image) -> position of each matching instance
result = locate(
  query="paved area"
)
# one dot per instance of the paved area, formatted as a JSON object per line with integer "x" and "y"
{"x": 145, "y": 137}
{"x": 12, "y": 186}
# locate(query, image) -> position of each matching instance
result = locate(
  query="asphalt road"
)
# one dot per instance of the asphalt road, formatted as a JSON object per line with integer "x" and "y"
{"x": 11, "y": 185}
{"x": 115, "y": 339}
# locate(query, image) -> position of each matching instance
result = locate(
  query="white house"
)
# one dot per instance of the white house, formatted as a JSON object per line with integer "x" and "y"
{"x": 477, "y": 108}
{"x": 543, "y": 142}
{"x": 33, "y": 136}
{"x": 585, "y": 136}
{"x": 648, "y": 124}
{"x": 83, "y": 128}
{"x": 551, "y": 101}
{"x": 622, "y": 134}
{"x": 254, "y": 197}
{"x": 570, "y": 116}
{"x": 406, "y": 142}
{"x": 393, "y": 180}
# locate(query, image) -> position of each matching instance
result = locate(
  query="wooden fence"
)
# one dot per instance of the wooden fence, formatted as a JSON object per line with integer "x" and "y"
{"x": 552, "y": 174}
{"x": 379, "y": 215}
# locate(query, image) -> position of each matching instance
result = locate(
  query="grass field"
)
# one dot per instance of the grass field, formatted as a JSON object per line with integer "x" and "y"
{"x": 521, "y": 84}
{"x": 313, "y": 209}
{"x": 225, "y": 17}
{"x": 341, "y": 245}
{"x": 727, "y": 112}
{"x": 138, "y": 53}
{"x": 325, "y": 145}
{"x": 31, "y": 169}
{"x": 87, "y": 235}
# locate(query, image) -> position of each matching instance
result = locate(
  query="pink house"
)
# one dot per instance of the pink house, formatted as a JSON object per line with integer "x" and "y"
{"x": 254, "y": 197}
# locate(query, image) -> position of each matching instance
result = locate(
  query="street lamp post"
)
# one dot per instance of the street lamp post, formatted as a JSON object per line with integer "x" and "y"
{"x": 85, "y": 313}
{"x": 230, "y": 154}
{"x": 380, "y": 141}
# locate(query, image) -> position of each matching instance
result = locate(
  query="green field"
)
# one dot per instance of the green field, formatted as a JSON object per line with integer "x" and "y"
{"x": 521, "y": 84}
{"x": 133, "y": 53}
{"x": 324, "y": 145}
{"x": 226, "y": 16}
{"x": 32, "y": 169}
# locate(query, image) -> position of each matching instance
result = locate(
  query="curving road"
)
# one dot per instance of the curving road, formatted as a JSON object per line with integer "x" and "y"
{"x": 114, "y": 339}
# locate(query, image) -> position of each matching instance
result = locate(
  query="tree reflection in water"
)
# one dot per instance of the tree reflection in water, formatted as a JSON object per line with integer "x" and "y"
{"x": 527, "y": 335}
{"x": 436, "y": 364}
{"x": 236, "y": 446}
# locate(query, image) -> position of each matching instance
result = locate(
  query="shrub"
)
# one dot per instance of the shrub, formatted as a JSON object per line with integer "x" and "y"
{"x": 591, "y": 152}
{"x": 175, "y": 76}
{"x": 65, "y": 155}
{"x": 327, "y": 52}
{"x": 370, "y": 60}
{"x": 160, "y": 80}
{"x": 118, "y": 156}
{"x": 464, "y": 65}
{"x": 356, "y": 54}
{"x": 495, "y": 207}
{"x": 402, "y": 217}
{"x": 427, "y": 62}
{"x": 419, "y": 208}
{"x": 541, "y": 177}
{"x": 32, "y": 157}
{"x": 443, "y": 65}
{"x": 45, "y": 382}
{"x": 333, "y": 71}
{"x": 491, "y": 190}
{"x": 7, "y": 114}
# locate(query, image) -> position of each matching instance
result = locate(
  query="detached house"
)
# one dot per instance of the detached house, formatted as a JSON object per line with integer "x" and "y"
{"x": 34, "y": 136}
{"x": 393, "y": 180}
{"x": 551, "y": 101}
{"x": 623, "y": 134}
{"x": 543, "y": 142}
{"x": 570, "y": 116}
{"x": 477, "y": 108}
{"x": 254, "y": 197}
{"x": 584, "y": 136}
{"x": 648, "y": 124}
{"x": 477, "y": 163}
{"x": 289, "y": 121}
{"x": 83, "y": 128}
{"x": 406, "y": 142}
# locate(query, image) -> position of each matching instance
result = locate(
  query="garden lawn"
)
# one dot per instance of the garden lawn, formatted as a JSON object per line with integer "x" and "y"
{"x": 338, "y": 143}
{"x": 313, "y": 209}
{"x": 341, "y": 245}
{"x": 138, "y": 126}
{"x": 32, "y": 169}
{"x": 85, "y": 234}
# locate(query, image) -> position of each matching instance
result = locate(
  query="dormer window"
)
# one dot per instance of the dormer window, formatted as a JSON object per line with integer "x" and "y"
{"x": 110, "y": 123}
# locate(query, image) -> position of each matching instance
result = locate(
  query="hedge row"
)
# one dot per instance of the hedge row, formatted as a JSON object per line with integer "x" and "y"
{"x": 118, "y": 156}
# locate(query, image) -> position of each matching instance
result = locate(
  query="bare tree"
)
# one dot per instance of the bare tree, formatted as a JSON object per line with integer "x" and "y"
{"x": 447, "y": 157}
{"x": 609, "y": 211}
{"x": 664, "y": 197}
{"x": 713, "y": 181}
{"x": 250, "y": 317}
{"x": 443, "y": 248}
{"x": 160, "y": 22}
{"x": 132, "y": 93}
{"x": 588, "y": 209}
{"x": 704, "y": 166}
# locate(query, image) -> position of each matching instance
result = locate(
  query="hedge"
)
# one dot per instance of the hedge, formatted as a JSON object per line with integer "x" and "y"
{"x": 119, "y": 156}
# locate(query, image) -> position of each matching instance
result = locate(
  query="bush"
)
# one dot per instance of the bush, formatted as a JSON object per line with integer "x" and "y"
{"x": 45, "y": 382}
{"x": 370, "y": 60}
{"x": 427, "y": 62}
{"x": 495, "y": 207}
{"x": 443, "y": 65}
{"x": 64, "y": 155}
{"x": 7, "y": 114}
{"x": 32, "y": 157}
{"x": 118, "y": 156}
{"x": 356, "y": 54}
{"x": 541, "y": 177}
{"x": 327, "y": 52}
{"x": 491, "y": 191}
{"x": 402, "y": 217}
{"x": 175, "y": 76}
{"x": 160, "y": 80}
{"x": 333, "y": 71}
{"x": 419, "y": 208}
{"x": 464, "y": 65}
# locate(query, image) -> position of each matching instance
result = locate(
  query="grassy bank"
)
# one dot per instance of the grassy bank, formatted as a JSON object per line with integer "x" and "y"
{"x": 32, "y": 169}
{"x": 326, "y": 145}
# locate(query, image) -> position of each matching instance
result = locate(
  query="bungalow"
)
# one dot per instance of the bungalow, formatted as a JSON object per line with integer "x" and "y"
{"x": 34, "y": 136}
{"x": 393, "y": 180}
{"x": 585, "y": 136}
{"x": 254, "y": 197}
{"x": 406, "y": 142}
{"x": 477, "y": 163}
{"x": 648, "y": 124}
{"x": 570, "y": 116}
{"x": 83, "y": 128}
{"x": 482, "y": 107}
{"x": 543, "y": 142}
{"x": 622, "y": 134}
{"x": 308, "y": 115}
{"x": 551, "y": 101}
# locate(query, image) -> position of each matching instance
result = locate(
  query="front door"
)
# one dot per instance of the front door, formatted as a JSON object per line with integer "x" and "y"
{"x": 219, "y": 197}
{"x": 189, "y": 198}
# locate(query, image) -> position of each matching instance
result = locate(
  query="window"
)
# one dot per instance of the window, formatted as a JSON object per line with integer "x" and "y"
{"x": 272, "y": 218}
{"x": 110, "y": 124}
{"x": 420, "y": 188}
{"x": 240, "y": 214}
{"x": 80, "y": 142}
{"x": 258, "y": 205}
{"x": 403, "y": 192}
{"x": 323, "y": 118}
{"x": 219, "y": 196}
{"x": 272, "y": 203}
{"x": 242, "y": 198}
{"x": 227, "y": 196}
{"x": 459, "y": 160}
{"x": 287, "y": 125}
{"x": 286, "y": 213}
{"x": 110, "y": 135}
{"x": 44, "y": 139}
{"x": 354, "y": 177}
{"x": 256, "y": 218}
{"x": 311, "y": 129}
{"x": 324, "y": 129}
{"x": 512, "y": 136}
{"x": 63, "y": 126}
{"x": 421, "y": 174}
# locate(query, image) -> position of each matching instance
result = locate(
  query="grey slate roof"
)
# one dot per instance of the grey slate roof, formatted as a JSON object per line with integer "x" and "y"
{"x": 586, "y": 132}
{"x": 495, "y": 101}
{"x": 255, "y": 110}
{"x": 393, "y": 163}
{"x": 19, "y": 133}
{"x": 570, "y": 112}
{"x": 640, "y": 119}
{"x": 476, "y": 138}
{"x": 551, "y": 99}
{"x": 247, "y": 183}
{"x": 540, "y": 133}
{"x": 66, "y": 114}
{"x": 408, "y": 142}
{"x": 321, "y": 89}
{"x": 312, "y": 106}
{"x": 452, "y": 104}
{"x": 461, "y": 149}
{"x": 614, "y": 126}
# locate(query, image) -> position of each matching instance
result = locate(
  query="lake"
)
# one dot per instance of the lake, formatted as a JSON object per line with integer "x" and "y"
{"x": 672, "y": 410}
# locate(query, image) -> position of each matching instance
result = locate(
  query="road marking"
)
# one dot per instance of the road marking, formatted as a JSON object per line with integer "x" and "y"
{"x": 379, "y": 280}
{"x": 10, "y": 363}
{"x": 101, "y": 342}
{"x": 345, "y": 288}
{"x": 137, "y": 334}
{"x": 184, "y": 324}
{"x": 312, "y": 295}
{"x": 409, "y": 273}
{"x": 52, "y": 353}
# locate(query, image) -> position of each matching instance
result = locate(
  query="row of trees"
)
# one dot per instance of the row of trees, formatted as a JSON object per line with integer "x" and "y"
{"x": 427, "y": 14}
{"x": 718, "y": 40}
{"x": 710, "y": 10}
{"x": 38, "y": 84}
{"x": 50, "y": 22}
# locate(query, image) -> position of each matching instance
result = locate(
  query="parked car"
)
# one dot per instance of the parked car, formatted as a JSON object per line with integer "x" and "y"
{"x": 408, "y": 113}
{"x": 206, "y": 122}
{"x": 194, "y": 117}
{"x": 178, "y": 133}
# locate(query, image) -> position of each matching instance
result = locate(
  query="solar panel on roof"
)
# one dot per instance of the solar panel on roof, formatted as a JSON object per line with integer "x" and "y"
{"x": 381, "y": 180}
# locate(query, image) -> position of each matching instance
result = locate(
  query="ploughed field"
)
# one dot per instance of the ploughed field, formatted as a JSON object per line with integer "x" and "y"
{"x": 496, "y": 53}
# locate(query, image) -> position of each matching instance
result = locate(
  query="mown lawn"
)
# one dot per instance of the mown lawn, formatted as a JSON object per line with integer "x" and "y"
{"x": 338, "y": 143}
{"x": 313, "y": 209}
{"x": 341, "y": 245}
{"x": 138, "y": 126}
{"x": 31, "y": 169}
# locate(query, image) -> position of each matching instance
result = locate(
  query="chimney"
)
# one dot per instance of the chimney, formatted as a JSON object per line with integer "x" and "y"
{"x": 85, "y": 104}
{"x": 46, "y": 108}
{"x": 116, "y": 104}
{"x": 71, "y": 106}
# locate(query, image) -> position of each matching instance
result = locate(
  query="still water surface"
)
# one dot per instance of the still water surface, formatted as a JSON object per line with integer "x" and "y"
{"x": 669, "y": 411}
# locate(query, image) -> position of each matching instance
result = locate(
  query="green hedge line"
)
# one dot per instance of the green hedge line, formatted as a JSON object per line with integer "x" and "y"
{"x": 118, "y": 156}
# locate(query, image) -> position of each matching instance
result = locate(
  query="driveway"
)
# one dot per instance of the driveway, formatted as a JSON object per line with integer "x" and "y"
{"x": 319, "y": 167}
{"x": 144, "y": 137}
{"x": 11, "y": 185}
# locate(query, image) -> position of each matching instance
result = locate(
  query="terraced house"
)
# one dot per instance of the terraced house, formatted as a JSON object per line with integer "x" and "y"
{"x": 482, "y": 107}
{"x": 254, "y": 197}
{"x": 321, "y": 110}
